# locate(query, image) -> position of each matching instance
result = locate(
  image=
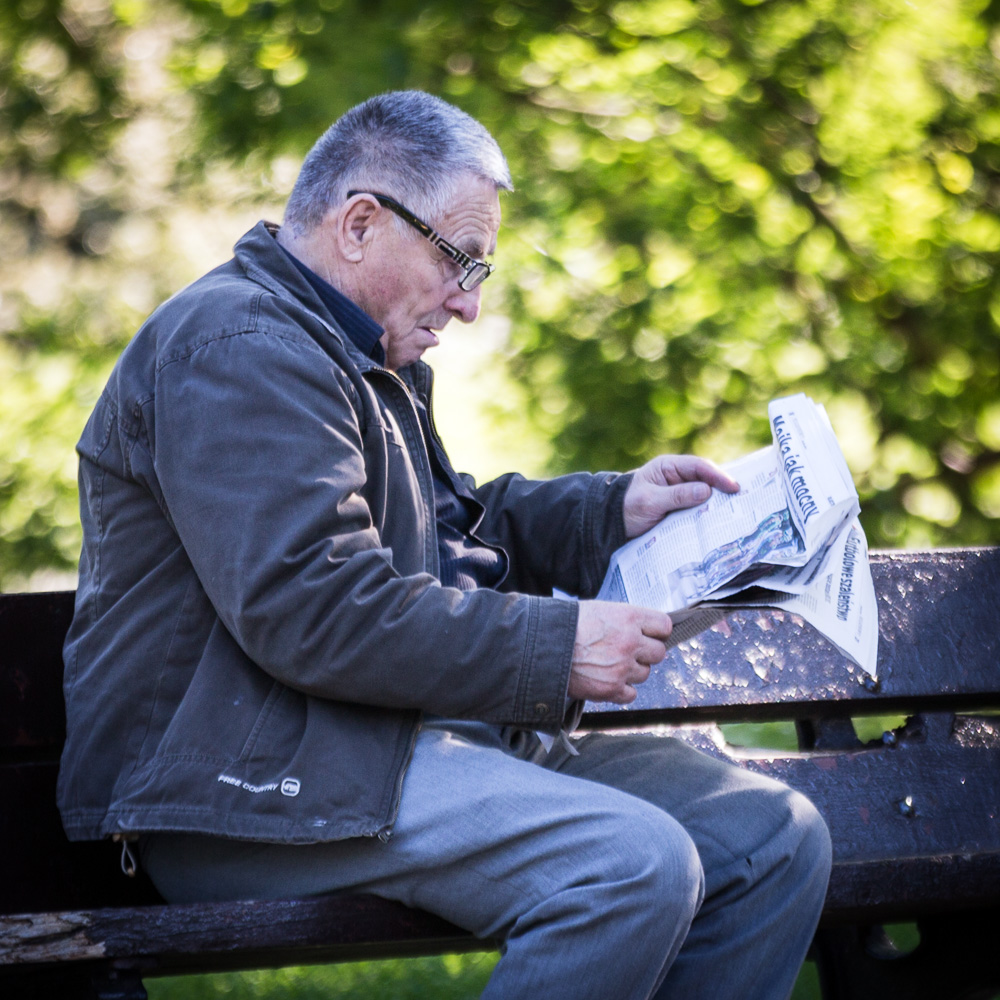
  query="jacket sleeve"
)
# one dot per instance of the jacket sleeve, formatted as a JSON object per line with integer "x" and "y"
{"x": 259, "y": 456}
{"x": 559, "y": 532}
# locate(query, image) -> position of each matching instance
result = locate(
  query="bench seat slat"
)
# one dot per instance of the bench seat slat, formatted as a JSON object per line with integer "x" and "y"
{"x": 259, "y": 934}
{"x": 907, "y": 801}
{"x": 187, "y": 937}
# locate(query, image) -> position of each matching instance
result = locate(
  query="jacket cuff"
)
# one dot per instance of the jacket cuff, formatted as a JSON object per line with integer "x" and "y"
{"x": 603, "y": 527}
{"x": 542, "y": 696}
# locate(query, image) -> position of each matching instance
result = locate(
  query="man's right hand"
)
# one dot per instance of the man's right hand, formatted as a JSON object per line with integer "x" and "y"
{"x": 615, "y": 646}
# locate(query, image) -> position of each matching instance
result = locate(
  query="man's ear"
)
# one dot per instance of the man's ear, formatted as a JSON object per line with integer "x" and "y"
{"x": 354, "y": 225}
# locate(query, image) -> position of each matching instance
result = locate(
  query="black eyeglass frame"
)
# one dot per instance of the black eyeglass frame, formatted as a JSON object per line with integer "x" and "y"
{"x": 476, "y": 271}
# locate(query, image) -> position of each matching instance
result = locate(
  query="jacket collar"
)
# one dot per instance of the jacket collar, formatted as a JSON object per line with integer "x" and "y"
{"x": 258, "y": 253}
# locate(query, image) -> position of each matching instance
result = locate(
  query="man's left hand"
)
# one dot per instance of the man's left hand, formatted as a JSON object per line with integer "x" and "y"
{"x": 667, "y": 483}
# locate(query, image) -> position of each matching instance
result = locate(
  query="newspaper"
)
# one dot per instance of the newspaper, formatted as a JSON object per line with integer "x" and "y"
{"x": 789, "y": 539}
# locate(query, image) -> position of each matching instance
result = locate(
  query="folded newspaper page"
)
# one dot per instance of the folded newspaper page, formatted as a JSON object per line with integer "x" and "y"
{"x": 840, "y": 603}
{"x": 789, "y": 538}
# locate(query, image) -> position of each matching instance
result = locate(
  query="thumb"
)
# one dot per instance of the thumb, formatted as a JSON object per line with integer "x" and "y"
{"x": 685, "y": 495}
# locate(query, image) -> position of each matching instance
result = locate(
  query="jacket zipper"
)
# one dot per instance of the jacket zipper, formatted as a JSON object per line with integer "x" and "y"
{"x": 427, "y": 474}
{"x": 385, "y": 833}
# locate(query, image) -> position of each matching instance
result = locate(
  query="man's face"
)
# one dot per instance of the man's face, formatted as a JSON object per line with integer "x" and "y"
{"x": 411, "y": 288}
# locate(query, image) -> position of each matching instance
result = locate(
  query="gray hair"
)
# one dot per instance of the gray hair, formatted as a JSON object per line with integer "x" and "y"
{"x": 407, "y": 144}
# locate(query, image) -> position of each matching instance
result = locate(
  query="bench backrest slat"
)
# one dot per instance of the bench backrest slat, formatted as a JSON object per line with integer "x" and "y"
{"x": 32, "y": 629}
{"x": 939, "y": 648}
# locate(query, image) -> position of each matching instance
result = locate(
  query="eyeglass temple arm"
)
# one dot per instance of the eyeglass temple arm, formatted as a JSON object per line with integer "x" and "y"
{"x": 459, "y": 256}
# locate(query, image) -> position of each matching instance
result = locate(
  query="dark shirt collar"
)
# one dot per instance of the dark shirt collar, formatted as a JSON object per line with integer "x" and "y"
{"x": 363, "y": 331}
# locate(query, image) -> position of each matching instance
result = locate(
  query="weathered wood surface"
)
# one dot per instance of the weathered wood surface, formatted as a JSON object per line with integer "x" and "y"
{"x": 914, "y": 823}
{"x": 939, "y": 648}
{"x": 913, "y": 818}
{"x": 254, "y": 934}
{"x": 259, "y": 934}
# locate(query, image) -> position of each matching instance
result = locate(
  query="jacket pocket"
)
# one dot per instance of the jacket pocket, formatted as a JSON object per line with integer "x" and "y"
{"x": 271, "y": 703}
{"x": 278, "y": 730}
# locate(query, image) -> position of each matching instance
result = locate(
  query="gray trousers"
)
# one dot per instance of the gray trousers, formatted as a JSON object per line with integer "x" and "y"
{"x": 638, "y": 868}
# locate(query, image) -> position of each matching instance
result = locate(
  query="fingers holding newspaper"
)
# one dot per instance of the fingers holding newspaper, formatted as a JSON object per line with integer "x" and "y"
{"x": 667, "y": 483}
{"x": 615, "y": 646}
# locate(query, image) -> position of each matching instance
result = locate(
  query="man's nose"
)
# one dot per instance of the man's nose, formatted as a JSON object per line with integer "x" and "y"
{"x": 463, "y": 305}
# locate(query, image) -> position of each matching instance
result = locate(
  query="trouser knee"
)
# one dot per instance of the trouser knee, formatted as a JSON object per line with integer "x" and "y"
{"x": 663, "y": 875}
{"x": 813, "y": 850}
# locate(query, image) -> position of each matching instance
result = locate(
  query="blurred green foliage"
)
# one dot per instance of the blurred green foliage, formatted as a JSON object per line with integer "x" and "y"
{"x": 449, "y": 977}
{"x": 718, "y": 203}
{"x": 444, "y": 977}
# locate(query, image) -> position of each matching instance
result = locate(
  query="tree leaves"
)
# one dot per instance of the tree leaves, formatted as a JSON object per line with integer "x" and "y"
{"x": 717, "y": 203}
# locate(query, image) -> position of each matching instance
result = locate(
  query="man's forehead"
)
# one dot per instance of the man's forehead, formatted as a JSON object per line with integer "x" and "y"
{"x": 472, "y": 219}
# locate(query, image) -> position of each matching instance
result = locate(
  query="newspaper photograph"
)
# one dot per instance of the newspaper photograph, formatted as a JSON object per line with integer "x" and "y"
{"x": 790, "y": 534}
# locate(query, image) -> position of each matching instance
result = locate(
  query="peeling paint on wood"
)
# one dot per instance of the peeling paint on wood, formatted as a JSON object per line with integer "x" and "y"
{"x": 47, "y": 937}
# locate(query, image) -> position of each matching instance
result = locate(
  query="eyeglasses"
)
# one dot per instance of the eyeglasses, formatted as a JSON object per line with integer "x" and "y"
{"x": 476, "y": 271}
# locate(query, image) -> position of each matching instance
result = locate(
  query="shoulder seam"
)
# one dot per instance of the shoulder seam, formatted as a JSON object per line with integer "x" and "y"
{"x": 195, "y": 348}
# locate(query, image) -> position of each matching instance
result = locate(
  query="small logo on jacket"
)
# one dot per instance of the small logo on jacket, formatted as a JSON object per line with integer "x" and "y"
{"x": 289, "y": 786}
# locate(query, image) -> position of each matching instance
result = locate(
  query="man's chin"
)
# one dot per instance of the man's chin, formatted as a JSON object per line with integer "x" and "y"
{"x": 404, "y": 358}
{"x": 404, "y": 350}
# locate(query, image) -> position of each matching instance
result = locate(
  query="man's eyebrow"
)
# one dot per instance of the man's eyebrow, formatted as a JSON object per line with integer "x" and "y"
{"x": 475, "y": 248}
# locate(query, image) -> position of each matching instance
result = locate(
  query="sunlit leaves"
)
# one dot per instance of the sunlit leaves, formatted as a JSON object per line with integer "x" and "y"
{"x": 717, "y": 202}
{"x": 808, "y": 179}
{"x": 61, "y": 92}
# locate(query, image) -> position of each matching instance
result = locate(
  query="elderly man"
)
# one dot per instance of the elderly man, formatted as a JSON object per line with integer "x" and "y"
{"x": 308, "y": 656}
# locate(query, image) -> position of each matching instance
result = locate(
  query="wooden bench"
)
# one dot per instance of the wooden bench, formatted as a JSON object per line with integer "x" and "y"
{"x": 913, "y": 815}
